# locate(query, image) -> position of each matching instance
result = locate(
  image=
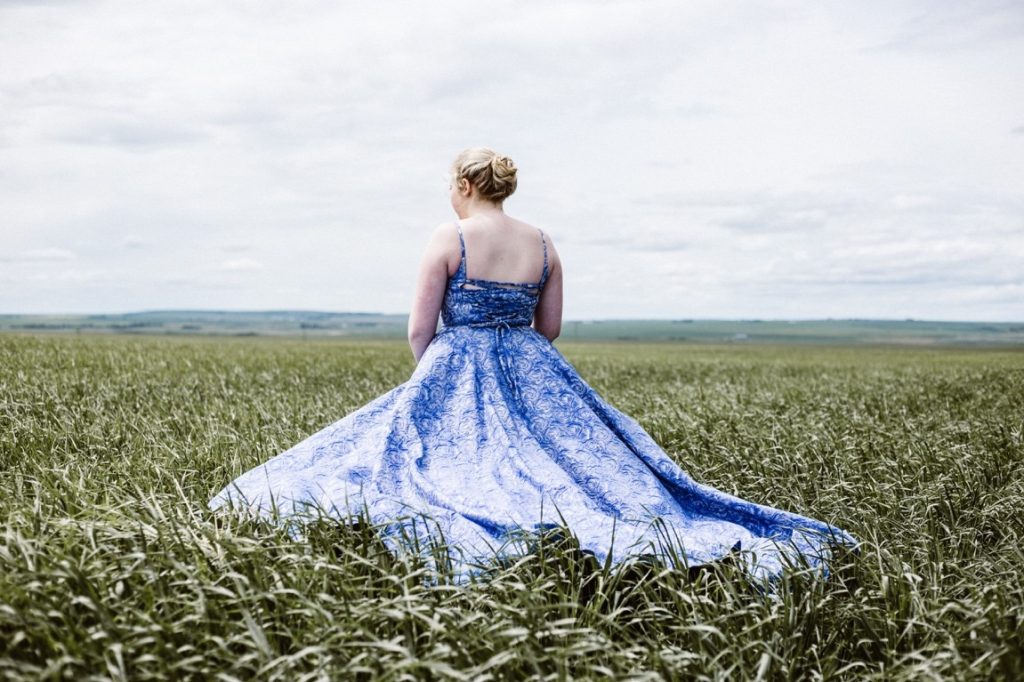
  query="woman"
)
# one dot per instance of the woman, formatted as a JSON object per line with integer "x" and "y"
{"x": 496, "y": 433}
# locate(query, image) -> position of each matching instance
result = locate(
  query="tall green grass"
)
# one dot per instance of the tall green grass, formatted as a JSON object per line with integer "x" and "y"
{"x": 112, "y": 568}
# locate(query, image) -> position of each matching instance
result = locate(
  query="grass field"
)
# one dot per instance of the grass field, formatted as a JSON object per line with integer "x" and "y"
{"x": 111, "y": 566}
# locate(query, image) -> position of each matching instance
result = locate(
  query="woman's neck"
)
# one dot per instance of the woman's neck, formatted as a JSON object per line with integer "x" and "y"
{"x": 475, "y": 207}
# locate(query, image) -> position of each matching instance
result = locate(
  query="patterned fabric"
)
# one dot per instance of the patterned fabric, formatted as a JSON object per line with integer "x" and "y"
{"x": 496, "y": 433}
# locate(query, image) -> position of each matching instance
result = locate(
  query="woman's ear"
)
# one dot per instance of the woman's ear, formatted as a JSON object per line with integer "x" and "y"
{"x": 464, "y": 187}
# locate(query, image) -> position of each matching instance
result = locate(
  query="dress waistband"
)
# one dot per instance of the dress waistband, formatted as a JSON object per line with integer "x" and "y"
{"x": 501, "y": 350}
{"x": 503, "y": 324}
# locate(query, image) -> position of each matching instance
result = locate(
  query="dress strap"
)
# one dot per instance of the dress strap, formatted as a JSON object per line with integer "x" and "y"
{"x": 462, "y": 247}
{"x": 544, "y": 274}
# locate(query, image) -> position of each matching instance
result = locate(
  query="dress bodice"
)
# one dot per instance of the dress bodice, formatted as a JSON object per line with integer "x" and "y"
{"x": 490, "y": 303}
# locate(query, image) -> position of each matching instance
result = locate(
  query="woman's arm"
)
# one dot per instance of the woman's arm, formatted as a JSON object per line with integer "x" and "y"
{"x": 430, "y": 287}
{"x": 547, "y": 318}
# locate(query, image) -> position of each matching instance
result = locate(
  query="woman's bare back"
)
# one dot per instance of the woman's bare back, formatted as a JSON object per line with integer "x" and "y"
{"x": 502, "y": 249}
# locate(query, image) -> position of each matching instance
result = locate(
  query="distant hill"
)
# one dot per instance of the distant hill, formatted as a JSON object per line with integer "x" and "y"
{"x": 217, "y": 322}
{"x": 372, "y": 325}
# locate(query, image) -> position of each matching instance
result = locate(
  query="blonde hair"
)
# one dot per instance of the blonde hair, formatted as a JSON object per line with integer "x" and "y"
{"x": 493, "y": 175}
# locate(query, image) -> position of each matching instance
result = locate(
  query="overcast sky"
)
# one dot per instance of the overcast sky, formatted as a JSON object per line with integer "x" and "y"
{"x": 690, "y": 159}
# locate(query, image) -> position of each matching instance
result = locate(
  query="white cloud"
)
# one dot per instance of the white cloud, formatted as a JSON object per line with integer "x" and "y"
{"x": 241, "y": 264}
{"x": 40, "y": 255}
{"x": 135, "y": 242}
{"x": 690, "y": 159}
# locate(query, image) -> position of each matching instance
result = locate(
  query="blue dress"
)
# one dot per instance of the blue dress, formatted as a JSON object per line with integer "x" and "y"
{"x": 495, "y": 433}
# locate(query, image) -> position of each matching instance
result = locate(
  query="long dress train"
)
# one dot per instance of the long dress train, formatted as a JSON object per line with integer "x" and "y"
{"x": 495, "y": 432}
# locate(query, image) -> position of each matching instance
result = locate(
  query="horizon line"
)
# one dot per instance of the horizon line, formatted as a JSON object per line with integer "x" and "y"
{"x": 564, "y": 319}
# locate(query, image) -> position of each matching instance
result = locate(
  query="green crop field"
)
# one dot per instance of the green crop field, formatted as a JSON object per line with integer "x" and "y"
{"x": 111, "y": 567}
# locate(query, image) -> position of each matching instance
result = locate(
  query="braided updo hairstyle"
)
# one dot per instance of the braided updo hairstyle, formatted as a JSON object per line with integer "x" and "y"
{"x": 493, "y": 175}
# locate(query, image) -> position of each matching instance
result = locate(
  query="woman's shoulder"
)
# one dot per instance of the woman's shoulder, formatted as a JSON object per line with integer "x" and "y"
{"x": 545, "y": 235}
{"x": 531, "y": 228}
{"x": 445, "y": 246}
{"x": 445, "y": 234}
